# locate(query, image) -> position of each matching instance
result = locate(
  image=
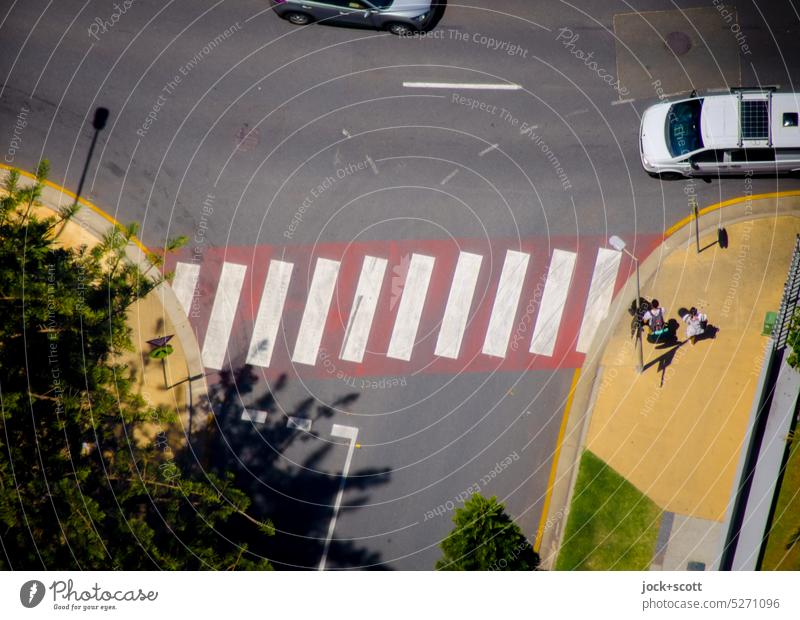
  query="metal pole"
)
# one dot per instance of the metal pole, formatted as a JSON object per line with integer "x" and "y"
{"x": 696, "y": 228}
{"x": 640, "y": 366}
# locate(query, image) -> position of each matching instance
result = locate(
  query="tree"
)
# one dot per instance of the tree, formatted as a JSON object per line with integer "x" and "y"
{"x": 485, "y": 538}
{"x": 80, "y": 486}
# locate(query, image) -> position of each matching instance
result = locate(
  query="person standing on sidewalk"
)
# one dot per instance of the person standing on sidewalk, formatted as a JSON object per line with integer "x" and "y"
{"x": 655, "y": 319}
{"x": 695, "y": 323}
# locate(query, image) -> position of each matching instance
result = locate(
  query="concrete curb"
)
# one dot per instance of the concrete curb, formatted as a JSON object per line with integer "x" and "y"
{"x": 97, "y": 222}
{"x": 678, "y": 236}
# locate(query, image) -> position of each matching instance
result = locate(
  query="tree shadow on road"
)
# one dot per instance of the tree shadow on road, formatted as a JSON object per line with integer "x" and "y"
{"x": 286, "y": 470}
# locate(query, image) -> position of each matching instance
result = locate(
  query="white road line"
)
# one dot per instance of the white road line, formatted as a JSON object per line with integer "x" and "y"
{"x": 303, "y": 424}
{"x": 449, "y": 177}
{"x": 223, "y": 312}
{"x": 506, "y": 301}
{"x": 254, "y": 415}
{"x": 600, "y": 293}
{"x": 184, "y": 283}
{"x": 363, "y": 311}
{"x": 315, "y": 314}
{"x": 410, "y": 311}
{"x": 372, "y": 164}
{"x": 488, "y": 149}
{"x": 576, "y": 112}
{"x": 350, "y": 433}
{"x": 346, "y": 133}
{"x": 554, "y": 297}
{"x": 621, "y": 101}
{"x": 462, "y": 86}
{"x": 270, "y": 310}
{"x": 459, "y": 302}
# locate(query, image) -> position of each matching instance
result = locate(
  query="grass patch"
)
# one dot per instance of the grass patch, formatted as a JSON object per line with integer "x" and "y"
{"x": 611, "y": 525}
{"x": 779, "y": 554}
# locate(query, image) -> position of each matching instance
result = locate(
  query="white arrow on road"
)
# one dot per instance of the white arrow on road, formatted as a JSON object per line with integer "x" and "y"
{"x": 344, "y": 432}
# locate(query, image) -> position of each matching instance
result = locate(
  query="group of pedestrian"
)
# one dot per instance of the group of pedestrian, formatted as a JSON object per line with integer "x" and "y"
{"x": 656, "y": 320}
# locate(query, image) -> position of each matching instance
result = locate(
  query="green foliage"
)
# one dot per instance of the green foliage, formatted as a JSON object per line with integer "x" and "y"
{"x": 76, "y": 490}
{"x": 793, "y": 340}
{"x": 611, "y": 525}
{"x": 485, "y": 538}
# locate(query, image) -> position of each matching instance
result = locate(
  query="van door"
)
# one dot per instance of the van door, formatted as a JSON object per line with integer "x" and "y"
{"x": 710, "y": 162}
{"x": 757, "y": 161}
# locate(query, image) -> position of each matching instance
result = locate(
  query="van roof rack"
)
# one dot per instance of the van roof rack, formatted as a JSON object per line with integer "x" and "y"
{"x": 755, "y": 115}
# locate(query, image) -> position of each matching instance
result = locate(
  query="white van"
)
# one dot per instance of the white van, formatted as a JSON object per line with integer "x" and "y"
{"x": 749, "y": 131}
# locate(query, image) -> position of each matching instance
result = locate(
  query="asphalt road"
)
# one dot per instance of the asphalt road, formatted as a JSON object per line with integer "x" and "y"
{"x": 223, "y": 105}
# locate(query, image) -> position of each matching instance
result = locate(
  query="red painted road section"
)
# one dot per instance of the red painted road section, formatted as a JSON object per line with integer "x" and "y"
{"x": 445, "y": 251}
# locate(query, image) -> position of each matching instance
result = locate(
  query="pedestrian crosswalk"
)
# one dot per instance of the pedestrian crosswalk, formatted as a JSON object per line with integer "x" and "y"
{"x": 457, "y": 309}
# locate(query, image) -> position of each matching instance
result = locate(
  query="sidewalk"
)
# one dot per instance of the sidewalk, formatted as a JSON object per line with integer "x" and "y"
{"x": 675, "y": 431}
{"x": 159, "y": 314}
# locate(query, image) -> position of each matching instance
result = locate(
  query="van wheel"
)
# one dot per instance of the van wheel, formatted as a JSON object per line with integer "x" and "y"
{"x": 298, "y": 19}
{"x": 401, "y": 30}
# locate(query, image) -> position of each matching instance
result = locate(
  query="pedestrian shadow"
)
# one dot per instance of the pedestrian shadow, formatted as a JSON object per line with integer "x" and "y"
{"x": 291, "y": 481}
{"x": 663, "y": 361}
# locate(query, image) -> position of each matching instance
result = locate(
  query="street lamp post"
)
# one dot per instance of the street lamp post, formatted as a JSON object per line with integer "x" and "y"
{"x": 619, "y": 245}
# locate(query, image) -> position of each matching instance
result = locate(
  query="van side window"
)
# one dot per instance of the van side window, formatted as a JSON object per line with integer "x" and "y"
{"x": 752, "y": 155}
{"x": 709, "y": 156}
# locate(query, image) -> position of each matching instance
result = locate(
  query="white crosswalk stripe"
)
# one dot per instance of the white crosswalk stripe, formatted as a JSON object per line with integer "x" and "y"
{"x": 601, "y": 292}
{"x": 223, "y": 312}
{"x": 505, "y": 303}
{"x": 315, "y": 315}
{"x": 363, "y": 310}
{"x": 184, "y": 284}
{"x": 456, "y": 313}
{"x": 554, "y": 297}
{"x": 410, "y": 311}
{"x": 270, "y": 310}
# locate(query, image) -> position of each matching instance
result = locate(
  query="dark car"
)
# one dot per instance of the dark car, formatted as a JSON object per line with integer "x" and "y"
{"x": 400, "y": 17}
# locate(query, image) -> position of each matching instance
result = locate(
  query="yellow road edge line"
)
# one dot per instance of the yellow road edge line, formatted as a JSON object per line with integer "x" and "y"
{"x": 727, "y": 203}
{"x": 85, "y": 202}
{"x": 552, "y": 480}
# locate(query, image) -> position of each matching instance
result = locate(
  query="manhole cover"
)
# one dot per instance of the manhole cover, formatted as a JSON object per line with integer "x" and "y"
{"x": 679, "y": 43}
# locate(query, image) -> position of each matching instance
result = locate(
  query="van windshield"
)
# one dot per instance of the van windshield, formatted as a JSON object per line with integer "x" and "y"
{"x": 683, "y": 127}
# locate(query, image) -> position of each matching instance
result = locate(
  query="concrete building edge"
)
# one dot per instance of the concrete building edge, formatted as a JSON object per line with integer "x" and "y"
{"x": 711, "y": 218}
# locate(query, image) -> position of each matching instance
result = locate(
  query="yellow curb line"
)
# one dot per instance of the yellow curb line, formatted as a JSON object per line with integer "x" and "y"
{"x": 91, "y": 206}
{"x": 551, "y": 482}
{"x": 727, "y": 203}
